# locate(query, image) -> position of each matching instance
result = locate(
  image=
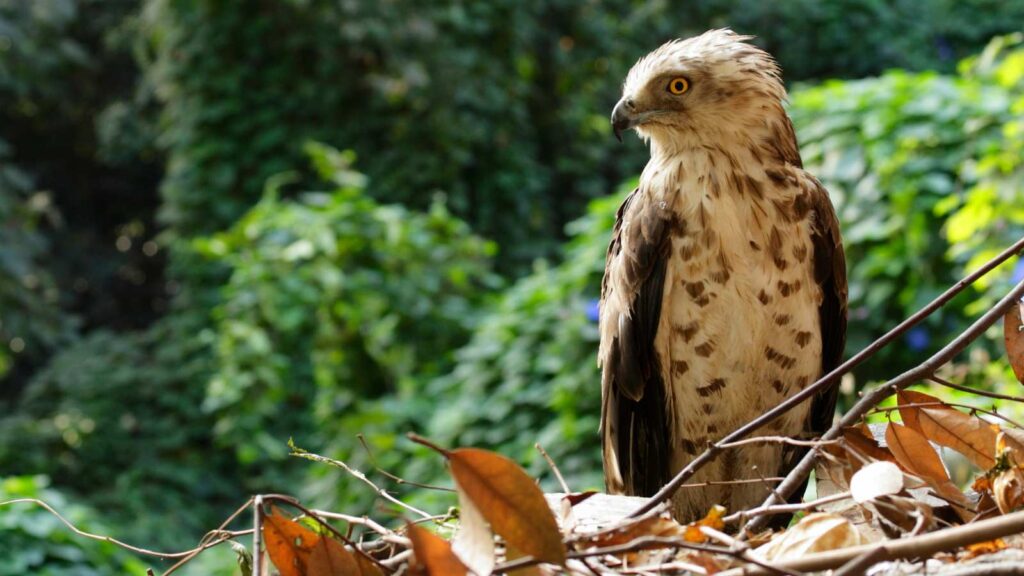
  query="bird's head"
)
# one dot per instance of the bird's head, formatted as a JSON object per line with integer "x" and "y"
{"x": 699, "y": 90}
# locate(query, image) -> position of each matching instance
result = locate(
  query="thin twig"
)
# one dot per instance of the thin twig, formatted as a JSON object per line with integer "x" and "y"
{"x": 100, "y": 537}
{"x": 975, "y": 391}
{"x": 765, "y": 480}
{"x": 715, "y": 449}
{"x": 643, "y": 542}
{"x": 743, "y": 515}
{"x": 872, "y": 398}
{"x": 397, "y": 479}
{"x": 257, "y": 536}
{"x": 554, "y": 467}
{"x": 214, "y": 537}
{"x": 777, "y": 440}
{"x": 299, "y": 452}
{"x": 941, "y": 404}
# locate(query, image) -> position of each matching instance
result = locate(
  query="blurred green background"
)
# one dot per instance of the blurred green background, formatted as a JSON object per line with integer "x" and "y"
{"x": 227, "y": 223}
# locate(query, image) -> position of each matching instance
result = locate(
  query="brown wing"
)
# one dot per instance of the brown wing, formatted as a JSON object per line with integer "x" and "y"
{"x": 635, "y": 429}
{"x": 830, "y": 273}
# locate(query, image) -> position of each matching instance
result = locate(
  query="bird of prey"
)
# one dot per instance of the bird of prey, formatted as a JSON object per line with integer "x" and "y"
{"x": 724, "y": 289}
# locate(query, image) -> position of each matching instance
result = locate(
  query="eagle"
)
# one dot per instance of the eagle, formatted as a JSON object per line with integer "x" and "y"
{"x": 724, "y": 289}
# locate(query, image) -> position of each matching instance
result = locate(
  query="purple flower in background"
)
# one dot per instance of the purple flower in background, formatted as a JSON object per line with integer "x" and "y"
{"x": 917, "y": 338}
{"x": 1018, "y": 272}
{"x": 593, "y": 310}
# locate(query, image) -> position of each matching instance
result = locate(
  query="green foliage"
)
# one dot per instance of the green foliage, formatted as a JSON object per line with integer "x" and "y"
{"x": 35, "y": 542}
{"x": 334, "y": 299}
{"x": 530, "y": 372}
{"x": 30, "y": 321}
{"x": 117, "y": 418}
{"x": 502, "y": 105}
{"x": 899, "y": 154}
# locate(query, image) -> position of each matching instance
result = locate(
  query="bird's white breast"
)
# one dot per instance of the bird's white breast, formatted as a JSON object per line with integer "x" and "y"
{"x": 739, "y": 329}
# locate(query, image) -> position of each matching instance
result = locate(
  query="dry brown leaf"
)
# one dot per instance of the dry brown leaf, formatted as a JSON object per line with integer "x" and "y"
{"x": 330, "y": 558}
{"x": 510, "y": 500}
{"x": 288, "y": 543}
{"x": 988, "y": 547}
{"x": 818, "y": 532}
{"x": 512, "y": 554}
{"x": 713, "y": 519}
{"x": 1013, "y": 337}
{"x": 913, "y": 451}
{"x": 432, "y": 554}
{"x": 910, "y": 412}
{"x": 1008, "y": 490}
{"x": 366, "y": 566}
{"x": 662, "y": 525}
{"x": 968, "y": 435}
{"x": 1011, "y": 439}
{"x": 862, "y": 443}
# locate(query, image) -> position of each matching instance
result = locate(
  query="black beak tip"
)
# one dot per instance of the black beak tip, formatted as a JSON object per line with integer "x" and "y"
{"x": 618, "y": 134}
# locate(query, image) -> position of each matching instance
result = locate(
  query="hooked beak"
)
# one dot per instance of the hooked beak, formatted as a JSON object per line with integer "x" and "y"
{"x": 624, "y": 117}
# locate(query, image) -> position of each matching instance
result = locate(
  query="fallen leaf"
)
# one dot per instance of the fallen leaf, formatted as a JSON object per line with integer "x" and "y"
{"x": 899, "y": 515}
{"x": 366, "y": 566}
{"x": 1008, "y": 490}
{"x": 660, "y": 525}
{"x": 330, "y": 558}
{"x": 713, "y": 519}
{"x": 1013, "y": 440}
{"x": 913, "y": 451}
{"x": 909, "y": 406}
{"x": 288, "y": 543}
{"x": 510, "y": 501}
{"x": 988, "y": 547}
{"x": 474, "y": 541}
{"x": 968, "y": 435}
{"x": 875, "y": 480}
{"x": 1013, "y": 337}
{"x": 433, "y": 555}
{"x": 818, "y": 532}
{"x": 858, "y": 441}
{"x": 512, "y": 554}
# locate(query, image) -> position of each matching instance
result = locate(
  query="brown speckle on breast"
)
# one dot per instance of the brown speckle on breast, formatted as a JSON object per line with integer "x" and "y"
{"x": 714, "y": 386}
{"x": 800, "y": 251}
{"x": 694, "y": 289}
{"x": 688, "y": 250}
{"x": 782, "y": 319}
{"x": 686, "y": 331}
{"x": 773, "y": 355}
{"x": 764, "y": 297}
{"x": 777, "y": 384}
{"x": 802, "y": 338}
{"x": 705, "y": 349}
{"x": 787, "y": 288}
{"x": 680, "y": 367}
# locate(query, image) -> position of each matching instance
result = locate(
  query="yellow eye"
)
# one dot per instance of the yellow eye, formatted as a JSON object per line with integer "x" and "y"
{"x": 678, "y": 85}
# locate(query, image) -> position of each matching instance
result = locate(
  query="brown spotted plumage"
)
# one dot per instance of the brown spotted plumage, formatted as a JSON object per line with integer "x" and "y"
{"x": 725, "y": 284}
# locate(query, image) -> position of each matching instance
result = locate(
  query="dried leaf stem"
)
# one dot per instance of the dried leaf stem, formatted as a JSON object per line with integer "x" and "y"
{"x": 715, "y": 449}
